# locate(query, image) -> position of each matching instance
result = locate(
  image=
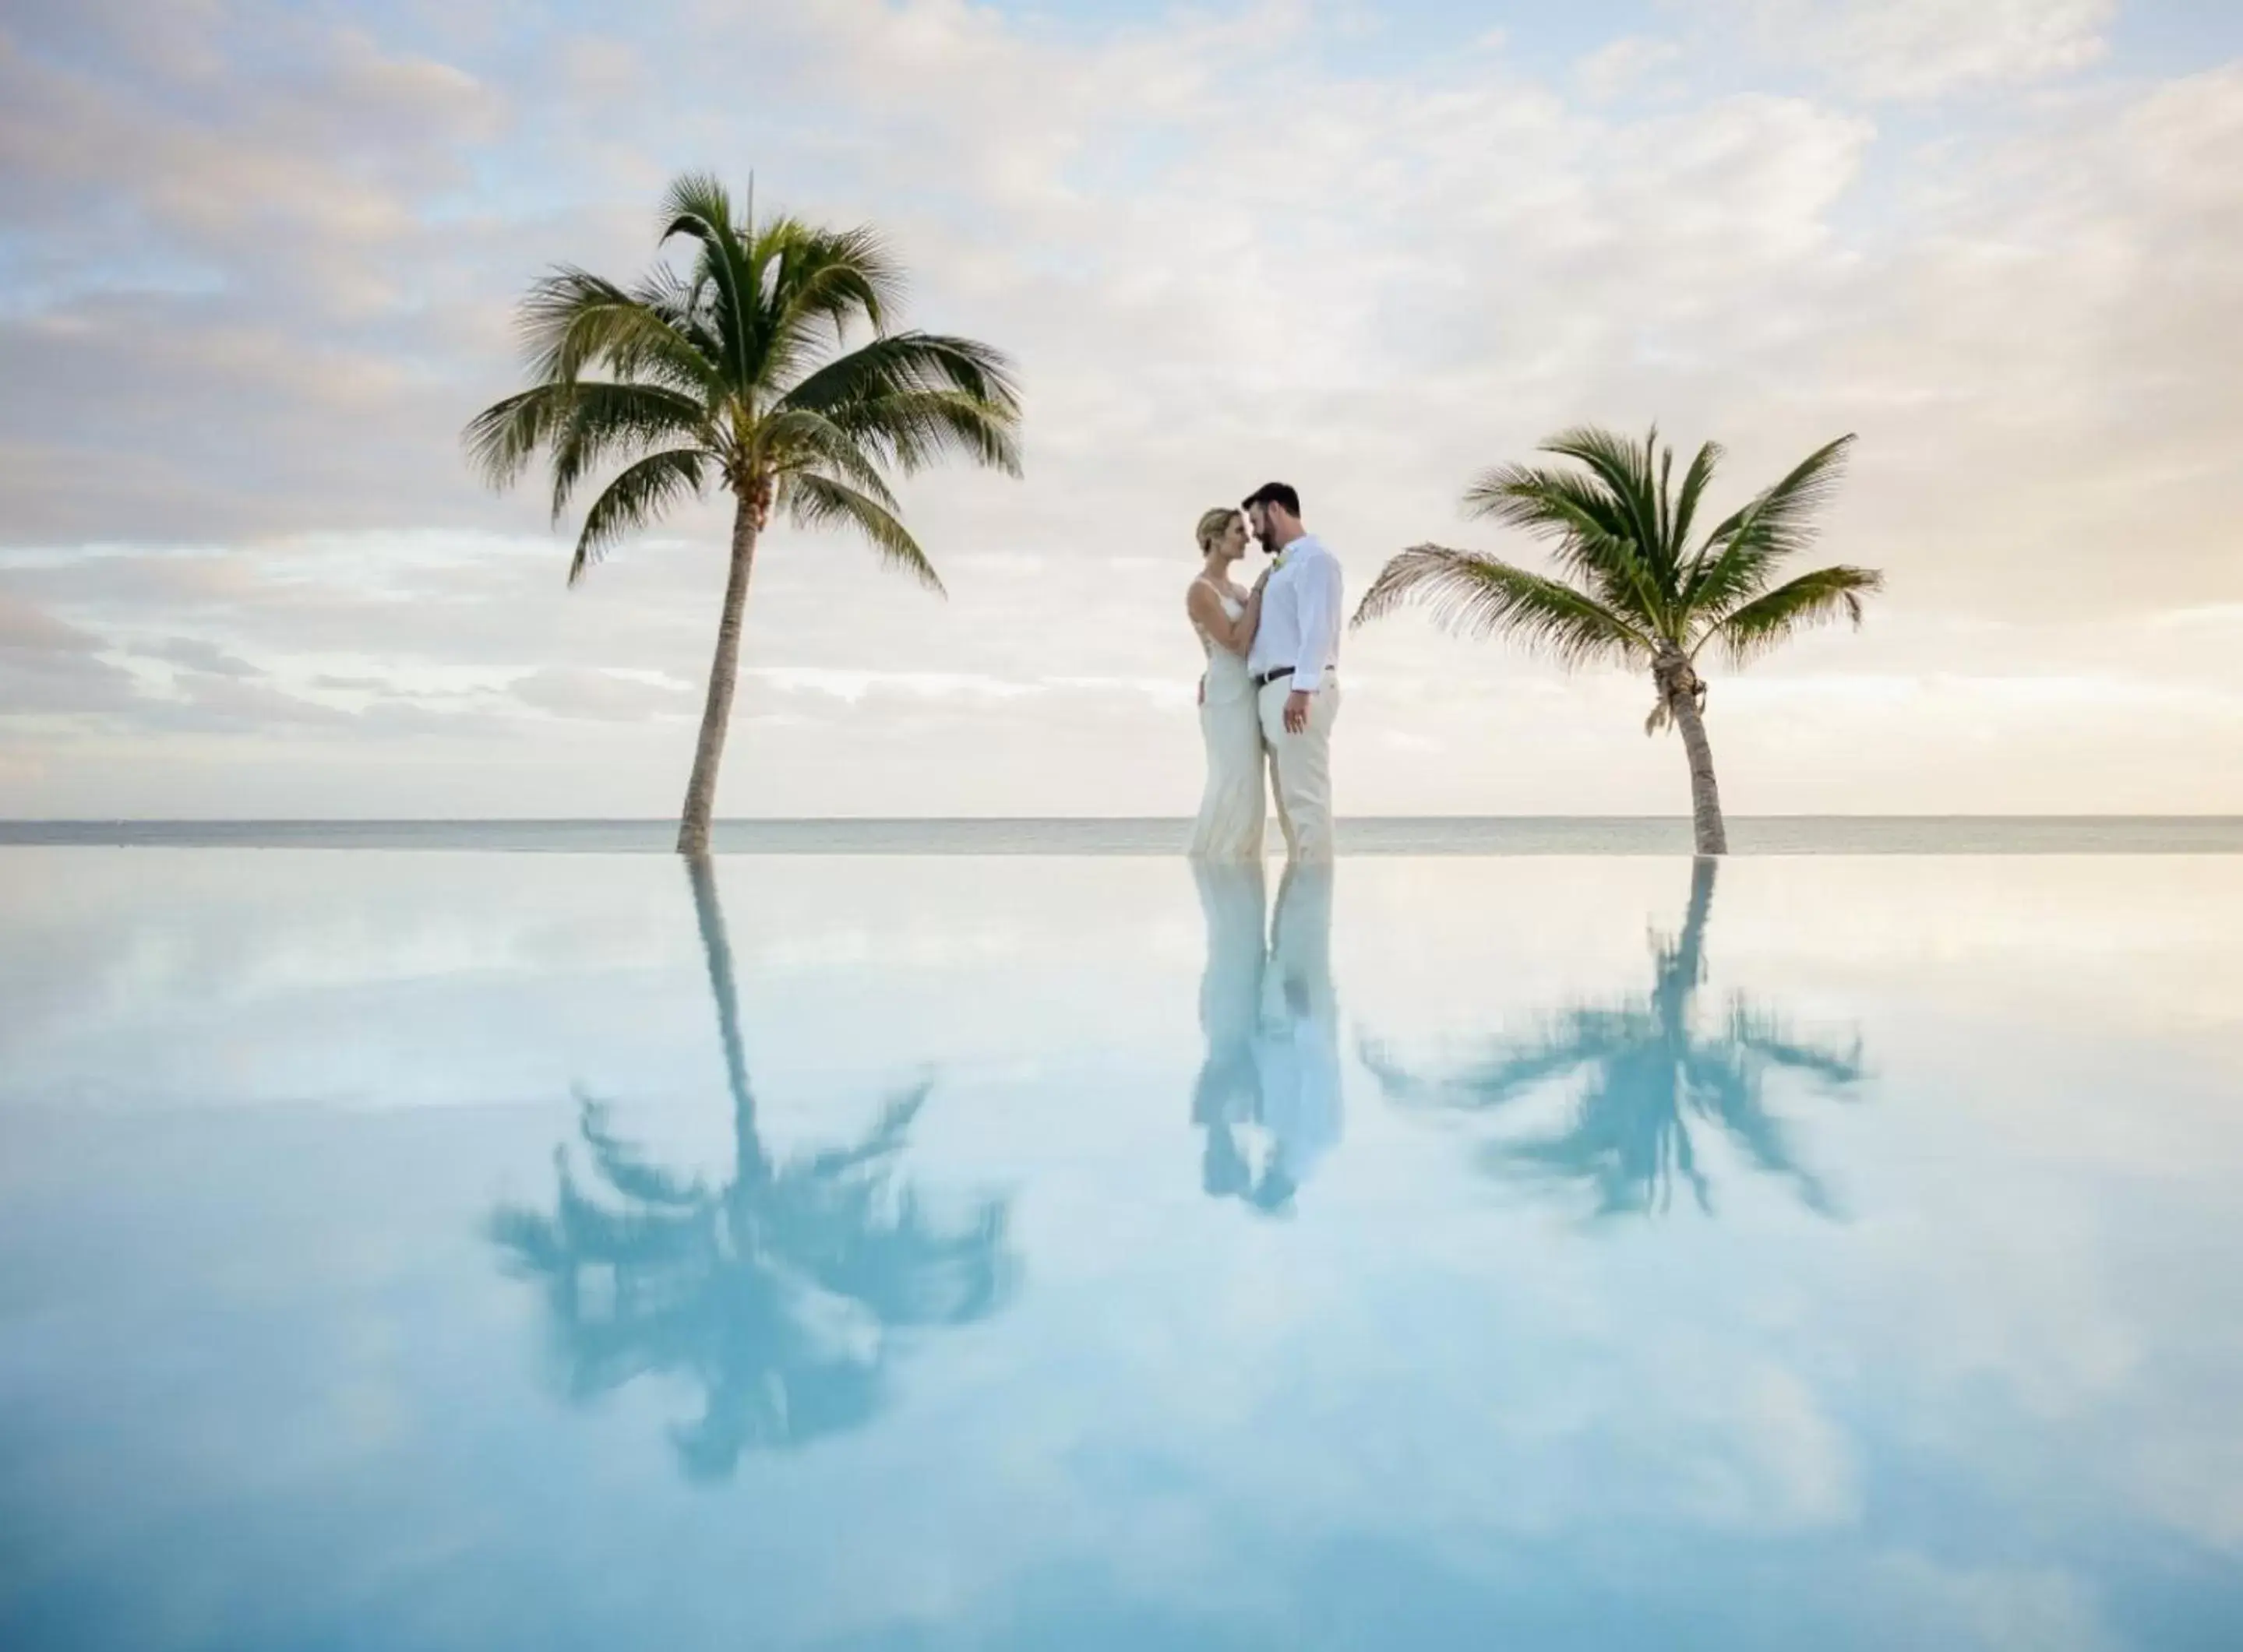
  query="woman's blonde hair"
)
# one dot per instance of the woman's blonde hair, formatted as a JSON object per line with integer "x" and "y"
{"x": 1213, "y": 525}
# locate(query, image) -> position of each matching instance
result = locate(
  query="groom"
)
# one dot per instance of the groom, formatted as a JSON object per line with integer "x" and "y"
{"x": 1292, "y": 661}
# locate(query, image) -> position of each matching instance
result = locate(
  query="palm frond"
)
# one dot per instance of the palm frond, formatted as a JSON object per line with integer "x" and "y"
{"x": 1694, "y": 482}
{"x": 1479, "y": 595}
{"x": 558, "y": 303}
{"x": 1555, "y": 505}
{"x": 700, "y": 196}
{"x": 605, "y": 421}
{"x": 813, "y": 501}
{"x": 912, "y": 399}
{"x": 1665, "y": 494}
{"x": 1592, "y": 531}
{"x": 573, "y": 321}
{"x": 684, "y": 307}
{"x": 1627, "y": 470}
{"x": 697, "y": 206}
{"x": 885, "y": 1140}
{"x": 797, "y": 438}
{"x": 638, "y": 497}
{"x": 1766, "y": 1038}
{"x": 834, "y": 276}
{"x": 782, "y": 347}
{"x": 502, "y": 439}
{"x": 1741, "y": 554}
{"x": 1724, "y": 1090}
{"x": 1775, "y": 616}
{"x": 627, "y": 1169}
{"x": 920, "y": 427}
{"x": 1490, "y": 1076}
{"x": 904, "y": 362}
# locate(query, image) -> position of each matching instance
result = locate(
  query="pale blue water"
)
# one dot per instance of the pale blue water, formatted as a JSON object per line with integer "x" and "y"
{"x": 1430, "y": 835}
{"x": 459, "y": 1250}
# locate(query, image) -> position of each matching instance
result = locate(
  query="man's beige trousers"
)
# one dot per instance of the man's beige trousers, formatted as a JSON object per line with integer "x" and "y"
{"x": 1300, "y": 768}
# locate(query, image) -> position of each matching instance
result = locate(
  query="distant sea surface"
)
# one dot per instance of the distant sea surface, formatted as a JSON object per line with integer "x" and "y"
{"x": 1444, "y": 835}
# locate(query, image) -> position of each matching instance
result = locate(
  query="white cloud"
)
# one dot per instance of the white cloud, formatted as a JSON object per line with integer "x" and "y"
{"x": 604, "y": 695}
{"x": 1630, "y": 64}
{"x": 1910, "y": 50}
{"x": 851, "y": 687}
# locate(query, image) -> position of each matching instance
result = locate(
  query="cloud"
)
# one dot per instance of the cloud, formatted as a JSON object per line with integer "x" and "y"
{"x": 48, "y": 666}
{"x": 1918, "y": 49}
{"x": 604, "y": 695}
{"x": 195, "y": 654}
{"x": 1627, "y": 65}
{"x": 227, "y": 309}
{"x": 854, "y": 686}
{"x": 31, "y": 631}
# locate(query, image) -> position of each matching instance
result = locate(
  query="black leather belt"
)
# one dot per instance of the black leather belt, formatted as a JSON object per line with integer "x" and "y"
{"x": 1269, "y": 677}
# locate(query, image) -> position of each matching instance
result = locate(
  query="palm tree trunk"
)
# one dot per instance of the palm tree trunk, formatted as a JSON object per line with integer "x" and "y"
{"x": 1679, "y": 688}
{"x": 717, "y": 952}
{"x": 724, "y": 672}
{"x": 1681, "y": 966}
{"x": 1692, "y": 953}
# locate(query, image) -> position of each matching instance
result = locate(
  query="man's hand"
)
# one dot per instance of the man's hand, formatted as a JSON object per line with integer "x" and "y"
{"x": 1296, "y": 711}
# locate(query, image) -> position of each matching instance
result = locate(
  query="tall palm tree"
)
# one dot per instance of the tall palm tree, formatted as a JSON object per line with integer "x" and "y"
{"x": 777, "y": 1292}
{"x": 1634, "y": 588}
{"x": 1655, "y": 1076}
{"x": 739, "y": 373}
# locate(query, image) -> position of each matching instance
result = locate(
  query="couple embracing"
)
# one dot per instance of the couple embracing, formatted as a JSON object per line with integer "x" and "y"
{"x": 1271, "y": 693}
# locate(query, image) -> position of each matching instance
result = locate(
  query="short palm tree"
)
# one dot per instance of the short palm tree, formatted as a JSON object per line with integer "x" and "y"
{"x": 1634, "y": 588}
{"x": 738, "y": 372}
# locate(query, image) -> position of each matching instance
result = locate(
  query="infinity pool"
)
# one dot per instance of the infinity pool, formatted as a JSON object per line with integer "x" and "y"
{"x": 473, "y": 1251}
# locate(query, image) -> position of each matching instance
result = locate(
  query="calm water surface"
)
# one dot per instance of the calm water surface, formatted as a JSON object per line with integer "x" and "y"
{"x": 1392, "y": 835}
{"x": 465, "y": 1250}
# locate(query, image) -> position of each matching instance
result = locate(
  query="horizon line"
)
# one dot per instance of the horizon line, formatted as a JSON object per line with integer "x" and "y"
{"x": 2114, "y": 816}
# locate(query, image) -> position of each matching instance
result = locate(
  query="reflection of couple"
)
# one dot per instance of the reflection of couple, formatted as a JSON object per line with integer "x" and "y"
{"x": 1270, "y": 695}
{"x": 1267, "y": 1091}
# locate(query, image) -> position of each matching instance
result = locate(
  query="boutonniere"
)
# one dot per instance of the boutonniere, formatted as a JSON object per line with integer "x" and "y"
{"x": 1280, "y": 560}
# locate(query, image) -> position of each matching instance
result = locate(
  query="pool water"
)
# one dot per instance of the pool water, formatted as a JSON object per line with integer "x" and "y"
{"x": 470, "y": 1250}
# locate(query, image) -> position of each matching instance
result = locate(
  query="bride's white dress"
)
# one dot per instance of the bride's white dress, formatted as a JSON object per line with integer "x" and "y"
{"x": 1230, "y": 810}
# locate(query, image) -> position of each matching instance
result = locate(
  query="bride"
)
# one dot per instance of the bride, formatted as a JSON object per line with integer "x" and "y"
{"x": 1230, "y": 826}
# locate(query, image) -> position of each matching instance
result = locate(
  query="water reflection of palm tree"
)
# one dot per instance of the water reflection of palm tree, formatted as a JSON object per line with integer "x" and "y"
{"x": 1653, "y": 1078}
{"x": 777, "y": 1292}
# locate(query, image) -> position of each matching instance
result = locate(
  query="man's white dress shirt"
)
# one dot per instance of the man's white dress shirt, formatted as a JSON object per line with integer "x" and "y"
{"x": 1300, "y": 615}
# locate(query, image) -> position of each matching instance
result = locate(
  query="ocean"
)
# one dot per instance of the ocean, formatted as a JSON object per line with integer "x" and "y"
{"x": 1372, "y": 835}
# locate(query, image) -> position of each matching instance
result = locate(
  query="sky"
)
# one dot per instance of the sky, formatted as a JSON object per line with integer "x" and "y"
{"x": 258, "y": 262}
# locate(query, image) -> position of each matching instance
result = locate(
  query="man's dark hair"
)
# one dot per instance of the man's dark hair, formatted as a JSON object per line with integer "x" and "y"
{"x": 1274, "y": 493}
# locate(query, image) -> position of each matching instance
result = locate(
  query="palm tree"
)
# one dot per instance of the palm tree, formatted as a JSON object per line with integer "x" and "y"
{"x": 739, "y": 373}
{"x": 1654, "y": 1077}
{"x": 776, "y": 1292}
{"x": 1634, "y": 589}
